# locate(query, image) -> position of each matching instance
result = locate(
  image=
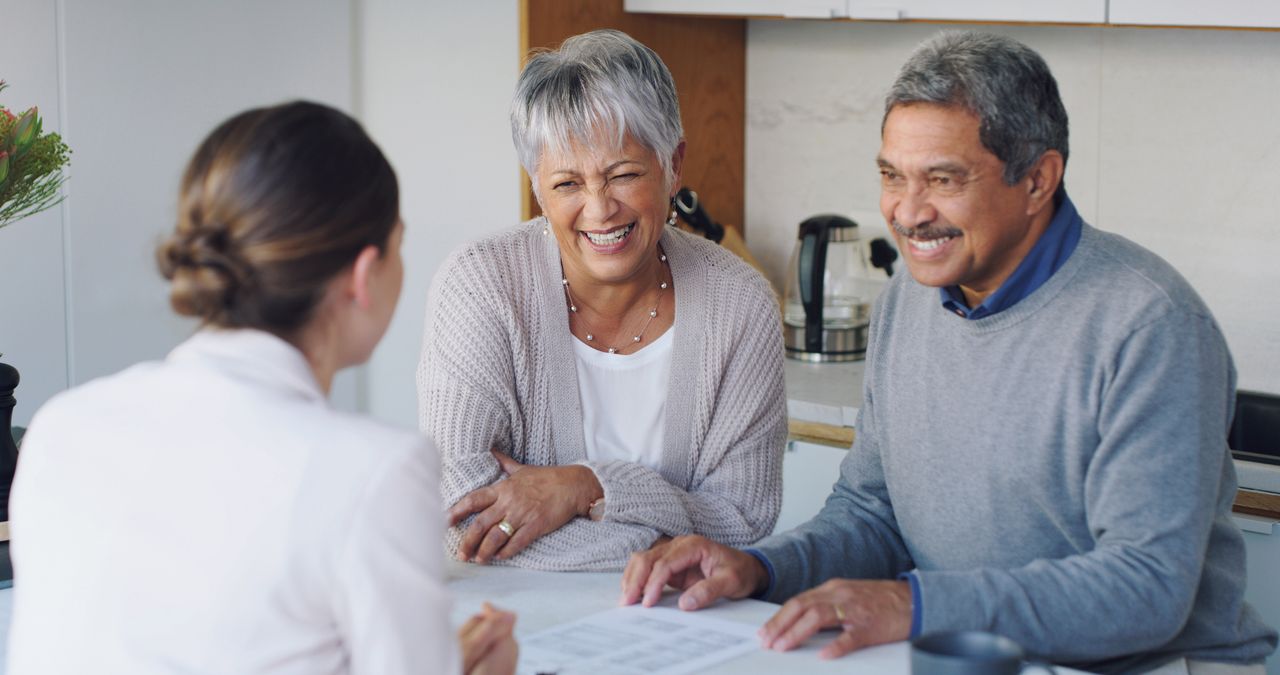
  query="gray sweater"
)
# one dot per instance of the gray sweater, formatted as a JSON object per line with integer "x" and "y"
{"x": 498, "y": 370}
{"x": 1056, "y": 473}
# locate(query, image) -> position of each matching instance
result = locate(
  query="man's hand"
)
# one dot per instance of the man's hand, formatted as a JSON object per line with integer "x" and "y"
{"x": 533, "y": 501}
{"x": 703, "y": 569}
{"x": 488, "y": 646}
{"x": 868, "y": 612}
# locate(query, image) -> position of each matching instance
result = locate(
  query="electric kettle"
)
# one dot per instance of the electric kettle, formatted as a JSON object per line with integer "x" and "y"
{"x": 830, "y": 287}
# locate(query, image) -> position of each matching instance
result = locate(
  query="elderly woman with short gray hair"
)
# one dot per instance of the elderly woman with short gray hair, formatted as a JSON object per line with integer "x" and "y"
{"x": 597, "y": 380}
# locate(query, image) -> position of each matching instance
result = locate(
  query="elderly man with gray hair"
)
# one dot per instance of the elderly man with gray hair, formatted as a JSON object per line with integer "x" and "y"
{"x": 1041, "y": 452}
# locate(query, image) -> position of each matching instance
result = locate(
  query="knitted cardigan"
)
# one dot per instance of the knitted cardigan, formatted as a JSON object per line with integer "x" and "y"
{"x": 498, "y": 371}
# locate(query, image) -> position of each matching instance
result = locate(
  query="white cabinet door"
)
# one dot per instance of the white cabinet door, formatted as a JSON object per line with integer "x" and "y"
{"x": 798, "y": 9}
{"x": 808, "y": 472}
{"x": 1042, "y": 11}
{"x": 1039, "y": 11}
{"x": 1262, "y": 551}
{"x": 1243, "y": 13}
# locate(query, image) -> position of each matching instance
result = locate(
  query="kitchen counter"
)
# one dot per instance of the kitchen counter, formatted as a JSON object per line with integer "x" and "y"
{"x": 823, "y": 400}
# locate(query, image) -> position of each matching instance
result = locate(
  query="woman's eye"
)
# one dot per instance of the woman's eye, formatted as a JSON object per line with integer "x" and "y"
{"x": 624, "y": 177}
{"x": 562, "y": 185}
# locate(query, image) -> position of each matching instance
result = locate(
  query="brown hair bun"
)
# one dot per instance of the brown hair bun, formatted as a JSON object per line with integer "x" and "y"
{"x": 274, "y": 204}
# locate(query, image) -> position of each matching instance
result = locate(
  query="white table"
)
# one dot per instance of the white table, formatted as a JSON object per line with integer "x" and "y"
{"x": 545, "y": 599}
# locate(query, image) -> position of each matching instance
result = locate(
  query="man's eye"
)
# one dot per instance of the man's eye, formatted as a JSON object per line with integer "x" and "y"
{"x": 941, "y": 181}
{"x": 888, "y": 175}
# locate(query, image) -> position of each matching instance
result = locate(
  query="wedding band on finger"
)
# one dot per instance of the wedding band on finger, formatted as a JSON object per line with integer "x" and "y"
{"x": 839, "y": 613}
{"x": 506, "y": 527}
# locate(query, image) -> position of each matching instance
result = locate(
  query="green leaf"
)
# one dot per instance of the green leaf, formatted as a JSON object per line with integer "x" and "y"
{"x": 4, "y": 168}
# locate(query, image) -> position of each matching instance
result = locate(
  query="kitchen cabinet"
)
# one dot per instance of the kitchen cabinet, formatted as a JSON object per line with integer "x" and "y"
{"x": 788, "y": 9}
{"x": 1262, "y": 551}
{"x": 1038, "y": 11}
{"x": 1223, "y": 13}
{"x": 808, "y": 472}
{"x": 1030, "y": 11}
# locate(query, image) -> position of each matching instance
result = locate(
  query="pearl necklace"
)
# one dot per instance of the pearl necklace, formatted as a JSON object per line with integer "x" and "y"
{"x": 635, "y": 339}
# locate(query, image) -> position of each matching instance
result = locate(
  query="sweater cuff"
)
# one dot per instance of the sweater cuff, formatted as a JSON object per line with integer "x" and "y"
{"x": 916, "y": 606}
{"x": 768, "y": 568}
{"x": 955, "y": 601}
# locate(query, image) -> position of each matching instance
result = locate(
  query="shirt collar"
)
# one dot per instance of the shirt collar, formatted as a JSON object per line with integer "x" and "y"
{"x": 1045, "y": 257}
{"x": 252, "y": 355}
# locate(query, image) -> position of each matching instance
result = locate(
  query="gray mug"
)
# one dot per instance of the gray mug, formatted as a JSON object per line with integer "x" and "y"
{"x": 968, "y": 653}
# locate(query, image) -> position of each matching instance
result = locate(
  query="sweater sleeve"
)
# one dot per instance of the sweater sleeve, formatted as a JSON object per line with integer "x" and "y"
{"x": 736, "y": 489}
{"x": 1152, "y": 491}
{"x": 854, "y": 535}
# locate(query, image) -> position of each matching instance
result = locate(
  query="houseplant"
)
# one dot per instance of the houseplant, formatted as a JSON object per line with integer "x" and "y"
{"x": 31, "y": 164}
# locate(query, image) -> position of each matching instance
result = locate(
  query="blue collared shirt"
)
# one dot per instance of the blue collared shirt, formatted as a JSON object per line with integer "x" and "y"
{"x": 1044, "y": 258}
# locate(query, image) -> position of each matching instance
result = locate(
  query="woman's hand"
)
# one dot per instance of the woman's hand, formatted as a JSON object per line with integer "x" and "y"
{"x": 533, "y": 501}
{"x": 488, "y": 646}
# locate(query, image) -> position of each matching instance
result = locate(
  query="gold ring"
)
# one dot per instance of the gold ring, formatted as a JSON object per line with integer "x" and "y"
{"x": 839, "y": 613}
{"x": 506, "y": 527}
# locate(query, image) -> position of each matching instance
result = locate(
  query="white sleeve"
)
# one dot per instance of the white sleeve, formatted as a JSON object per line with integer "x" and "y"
{"x": 391, "y": 603}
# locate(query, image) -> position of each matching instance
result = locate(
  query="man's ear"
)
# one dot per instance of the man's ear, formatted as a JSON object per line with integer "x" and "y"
{"x": 1045, "y": 176}
{"x": 358, "y": 286}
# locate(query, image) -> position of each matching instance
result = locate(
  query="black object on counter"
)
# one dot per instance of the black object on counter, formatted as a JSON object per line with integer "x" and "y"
{"x": 8, "y": 449}
{"x": 8, "y": 460}
{"x": 692, "y": 213}
{"x": 1255, "y": 431}
{"x": 883, "y": 255}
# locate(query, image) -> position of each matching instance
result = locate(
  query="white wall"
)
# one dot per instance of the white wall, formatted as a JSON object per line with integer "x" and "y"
{"x": 437, "y": 82}
{"x": 1174, "y": 144}
{"x": 134, "y": 85}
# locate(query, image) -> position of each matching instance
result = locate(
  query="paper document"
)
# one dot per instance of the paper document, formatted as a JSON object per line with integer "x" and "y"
{"x": 635, "y": 640}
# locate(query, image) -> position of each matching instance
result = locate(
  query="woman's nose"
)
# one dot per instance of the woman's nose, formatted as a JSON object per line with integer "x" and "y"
{"x": 600, "y": 207}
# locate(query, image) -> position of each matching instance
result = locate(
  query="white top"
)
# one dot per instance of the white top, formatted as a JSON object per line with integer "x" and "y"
{"x": 624, "y": 401}
{"x": 212, "y": 513}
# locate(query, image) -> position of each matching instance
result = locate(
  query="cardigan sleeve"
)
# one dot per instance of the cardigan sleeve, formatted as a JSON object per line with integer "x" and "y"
{"x": 735, "y": 492}
{"x": 461, "y": 375}
{"x": 467, "y": 404}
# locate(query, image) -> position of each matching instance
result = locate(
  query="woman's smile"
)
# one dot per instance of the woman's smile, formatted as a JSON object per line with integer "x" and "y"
{"x": 609, "y": 241}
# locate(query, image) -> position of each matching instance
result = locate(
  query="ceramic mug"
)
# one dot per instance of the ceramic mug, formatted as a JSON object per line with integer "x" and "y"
{"x": 968, "y": 653}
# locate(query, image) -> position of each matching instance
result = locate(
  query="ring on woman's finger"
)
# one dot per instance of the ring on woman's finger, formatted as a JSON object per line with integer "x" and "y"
{"x": 506, "y": 527}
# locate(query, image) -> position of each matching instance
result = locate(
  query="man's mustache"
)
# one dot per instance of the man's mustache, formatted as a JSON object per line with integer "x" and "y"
{"x": 925, "y": 231}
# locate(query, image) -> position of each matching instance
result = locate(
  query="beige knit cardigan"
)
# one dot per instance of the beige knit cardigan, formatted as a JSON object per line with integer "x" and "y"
{"x": 498, "y": 370}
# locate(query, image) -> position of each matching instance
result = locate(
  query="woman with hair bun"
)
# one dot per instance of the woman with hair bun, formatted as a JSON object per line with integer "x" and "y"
{"x": 211, "y": 512}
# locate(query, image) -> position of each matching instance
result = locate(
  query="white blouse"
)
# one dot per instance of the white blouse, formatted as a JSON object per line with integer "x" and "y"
{"x": 624, "y": 401}
{"x": 212, "y": 513}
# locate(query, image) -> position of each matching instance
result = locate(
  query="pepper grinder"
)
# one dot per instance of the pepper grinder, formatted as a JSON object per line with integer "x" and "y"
{"x": 8, "y": 450}
{"x": 8, "y": 462}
